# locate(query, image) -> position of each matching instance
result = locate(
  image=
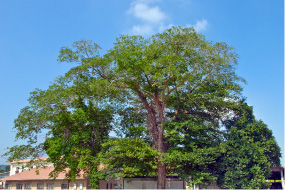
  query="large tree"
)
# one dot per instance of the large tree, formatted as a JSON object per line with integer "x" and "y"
{"x": 170, "y": 76}
{"x": 166, "y": 95}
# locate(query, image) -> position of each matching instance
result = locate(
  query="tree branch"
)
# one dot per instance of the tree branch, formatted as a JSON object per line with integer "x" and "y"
{"x": 164, "y": 88}
{"x": 151, "y": 112}
{"x": 147, "y": 79}
{"x": 181, "y": 83}
{"x": 202, "y": 81}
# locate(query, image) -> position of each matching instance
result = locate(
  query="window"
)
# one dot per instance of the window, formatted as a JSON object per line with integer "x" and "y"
{"x": 8, "y": 186}
{"x": 17, "y": 170}
{"x": 49, "y": 185}
{"x": 40, "y": 186}
{"x": 107, "y": 186}
{"x": 19, "y": 186}
{"x": 28, "y": 186}
{"x": 81, "y": 186}
{"x": 75, "y": 186}
{"x": 88, "y": 186}
{"x": 64, "y": 186}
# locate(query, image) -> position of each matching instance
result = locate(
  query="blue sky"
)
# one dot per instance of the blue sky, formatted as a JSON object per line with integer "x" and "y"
{"x": 32, "y": 32}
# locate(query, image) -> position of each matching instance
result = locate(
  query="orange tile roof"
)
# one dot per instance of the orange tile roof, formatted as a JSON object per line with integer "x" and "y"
{"x": 31, "y": 174}
{"x": 28, "y": 160}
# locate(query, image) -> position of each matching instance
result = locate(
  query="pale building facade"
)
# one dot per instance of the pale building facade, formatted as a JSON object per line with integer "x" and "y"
{"x": 39, "y": 179}
{"x": 27, "y": 176}
{"x": 24, "y": 176}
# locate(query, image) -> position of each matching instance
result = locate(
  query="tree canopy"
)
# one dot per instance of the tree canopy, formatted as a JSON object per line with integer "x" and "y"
{"x": 167, "y": 97}
{"x": 248, "y": 152}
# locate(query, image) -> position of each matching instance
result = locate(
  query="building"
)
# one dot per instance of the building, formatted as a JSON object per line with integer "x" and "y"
{"x": 35, "y": 179}
{"x": 172, "y": 182}
{"x": 29, "y": 177}
{"x": 277, "y": 179}
{"x": 3, "y": 175}
{"x": 22, "y": 165}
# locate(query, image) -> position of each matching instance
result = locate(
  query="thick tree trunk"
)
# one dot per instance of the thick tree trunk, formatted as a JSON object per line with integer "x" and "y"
{"x": 161, "y": 167}
{"x": 156, "y": 113}
{"x": 161, "y": 176}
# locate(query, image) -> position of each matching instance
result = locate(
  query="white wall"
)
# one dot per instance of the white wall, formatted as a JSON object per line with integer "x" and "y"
{"x": 149, "y": 183}
{"x": 14, "y": 166}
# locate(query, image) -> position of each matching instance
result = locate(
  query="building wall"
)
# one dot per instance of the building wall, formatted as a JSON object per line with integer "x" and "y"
{"x": 150, "y": 183}
{"x": 110, "y": 184}
{"x": 56, "y": 184}
{"x": 20, "y": 167}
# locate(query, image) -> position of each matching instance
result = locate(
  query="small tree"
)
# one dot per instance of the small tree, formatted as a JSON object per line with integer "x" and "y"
{"x": 68, "y": 126}
{"x": 248, "y": 152}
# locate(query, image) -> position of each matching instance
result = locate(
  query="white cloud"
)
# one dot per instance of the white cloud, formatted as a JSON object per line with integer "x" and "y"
{"x": 201, "y": 25}
{"x": 142, "y": 30}
{"x": 149, "y": 14}
{"x": 151, "y": 19}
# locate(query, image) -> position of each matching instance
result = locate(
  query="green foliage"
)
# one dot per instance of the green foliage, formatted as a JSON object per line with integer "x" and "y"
{"x": 166, "y": 97}
{"x": 248, "y": 152}
{"x": 129, "y": 157}
{"x": 67, "y": 126}
{"x": 77, "y": 137}
{"x": 193, "y": 149}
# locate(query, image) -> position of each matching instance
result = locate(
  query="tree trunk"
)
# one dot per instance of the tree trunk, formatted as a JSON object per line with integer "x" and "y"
{"x": 161, "y": 176}
{"x": 156, "y": 113}
{"x": 161, "y": 167}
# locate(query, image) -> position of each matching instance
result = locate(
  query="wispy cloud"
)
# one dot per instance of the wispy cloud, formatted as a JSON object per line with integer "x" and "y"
{"x": 142, "y": 30}
{"x": 201, "y": 25}
{"x": 151, "y": 19}
{"x": 146, "y": 13}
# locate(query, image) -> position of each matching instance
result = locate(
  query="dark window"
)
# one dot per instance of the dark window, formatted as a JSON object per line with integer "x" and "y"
{"x": 28, "y": 186}
{"x": 8, "y": 186}
{"x": 107, "y": 186}
{"x": 19, "y": 186}
{"x": 64, "y": 186}
{"x": 111, "y": 186}
{"x": 40, "y": 186}
{"x": 49, "y": 185}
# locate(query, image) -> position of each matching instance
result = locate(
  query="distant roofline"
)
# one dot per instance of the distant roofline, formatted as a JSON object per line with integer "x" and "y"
{"x": 27, "y": 160}
{"x": 40, "y": 174}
